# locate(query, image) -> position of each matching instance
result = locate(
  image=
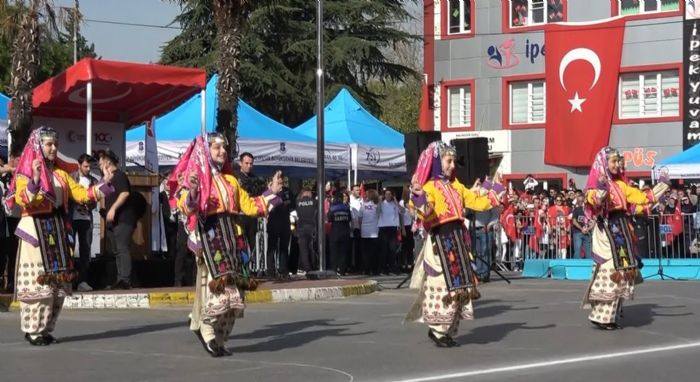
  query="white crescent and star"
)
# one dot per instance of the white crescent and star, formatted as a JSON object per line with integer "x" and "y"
{"x": 77, "y": 97}
{"x": 584, "y": 54}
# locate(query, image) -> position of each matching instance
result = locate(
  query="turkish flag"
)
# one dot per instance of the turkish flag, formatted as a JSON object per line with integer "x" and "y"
{"x": 582, "y": 68}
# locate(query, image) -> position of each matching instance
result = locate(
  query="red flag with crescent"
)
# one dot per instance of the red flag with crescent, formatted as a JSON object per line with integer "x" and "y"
{"x": 582, "y": 68}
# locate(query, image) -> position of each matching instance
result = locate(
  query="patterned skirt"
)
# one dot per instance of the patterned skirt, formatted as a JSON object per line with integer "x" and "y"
{"x": 226, "y": 253}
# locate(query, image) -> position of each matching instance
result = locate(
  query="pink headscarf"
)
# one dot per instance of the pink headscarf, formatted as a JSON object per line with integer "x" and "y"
{"x": 600, "y": 166}
{"x": 429, "y": 164}
{"x": 196, "y": 160}
{"x": 32, "y": 150}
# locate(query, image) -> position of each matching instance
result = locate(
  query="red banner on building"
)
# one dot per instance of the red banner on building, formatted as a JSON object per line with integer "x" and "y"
{"x": 582, "y": 68}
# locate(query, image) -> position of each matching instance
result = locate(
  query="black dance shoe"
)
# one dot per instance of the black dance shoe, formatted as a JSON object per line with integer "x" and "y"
{"x": 439, "y": 342}
{"x": 451, "y": 341}
{"x": 50, "y": 339}
{"x": 213, "y": 349}
{"x": 225, "y": 352}
{"x": 39, "y": 341}
{"x": 209, "y": 347}
{"x": 612, "y": 326}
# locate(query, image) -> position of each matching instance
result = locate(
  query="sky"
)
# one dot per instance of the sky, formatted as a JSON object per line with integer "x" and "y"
{"x": 122, "y": 42}
{"x": 138, "y": 43}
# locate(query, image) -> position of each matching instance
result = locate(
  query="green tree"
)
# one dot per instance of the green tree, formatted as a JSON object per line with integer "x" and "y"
{"x": 278, "y": 51}
{"x": 34, "y": 48}
{"x": 400, "y": 103}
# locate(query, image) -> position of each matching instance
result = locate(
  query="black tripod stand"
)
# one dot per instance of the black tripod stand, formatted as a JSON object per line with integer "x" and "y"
{"x": 659, "y": 272}
{"x": 493, "y": 269}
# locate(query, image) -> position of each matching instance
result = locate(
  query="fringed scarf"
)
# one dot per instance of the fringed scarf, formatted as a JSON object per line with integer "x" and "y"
{"x": 197, "y": 160}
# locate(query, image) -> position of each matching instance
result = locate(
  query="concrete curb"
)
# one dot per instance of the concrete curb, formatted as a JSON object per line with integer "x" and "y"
{"x": 164, "y": 299}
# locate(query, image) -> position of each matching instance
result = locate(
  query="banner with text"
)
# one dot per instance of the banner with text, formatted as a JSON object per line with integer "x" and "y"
{"x": 691, "y": 70}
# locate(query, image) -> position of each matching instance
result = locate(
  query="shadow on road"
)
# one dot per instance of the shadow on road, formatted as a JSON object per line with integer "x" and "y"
{"x": 293, "y": 334}
{"x": 494, "y": 333}
{"x": 125, "y": 332}
{"x": 488, "y": 310}
{"x": 640, "y": 315}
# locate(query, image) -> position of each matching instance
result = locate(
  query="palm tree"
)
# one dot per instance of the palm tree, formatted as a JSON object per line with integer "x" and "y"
{"x": 229, "y": 16}
{"x": 24, "y": 27}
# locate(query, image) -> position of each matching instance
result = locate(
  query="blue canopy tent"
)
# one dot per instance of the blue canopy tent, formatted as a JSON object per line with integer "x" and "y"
{"x": 684, "y": 165}
{"x": 4, "y": 103}
{"x": 377, "y": 149}
{"x": 273, "y": 144}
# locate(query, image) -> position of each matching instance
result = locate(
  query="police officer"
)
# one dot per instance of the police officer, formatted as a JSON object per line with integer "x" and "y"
{"x": 307, "y": 208}
{"x": 339, "y": 217}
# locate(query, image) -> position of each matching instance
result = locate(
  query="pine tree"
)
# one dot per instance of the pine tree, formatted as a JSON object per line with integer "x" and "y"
{"x": 31, "y": 31}
{"x": 278, "y": 51}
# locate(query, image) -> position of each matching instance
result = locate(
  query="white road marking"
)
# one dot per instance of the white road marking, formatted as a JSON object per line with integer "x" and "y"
{"x": 563, "y": 361}
{"x": 350, "y": 377}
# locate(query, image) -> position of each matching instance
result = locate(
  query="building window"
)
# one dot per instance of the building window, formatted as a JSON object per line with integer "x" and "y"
{"x": 527, "y": 102}
{"x": 459, "y": 111}
{"x": 524, "y": 13}
{"x": 649, "y": 94}
{"x": 459, "y": 16}
{"x": 638, "y": 7}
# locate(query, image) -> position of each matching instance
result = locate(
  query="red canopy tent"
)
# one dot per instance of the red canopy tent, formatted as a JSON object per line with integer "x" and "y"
{"x": 112, "y": 91}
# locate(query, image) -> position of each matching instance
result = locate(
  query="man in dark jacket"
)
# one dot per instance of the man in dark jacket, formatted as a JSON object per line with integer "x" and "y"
{"x": 254, "y": 186}
{"x": 339, "y": 218}
{"x": 278, "y": 235}
{"x": 121, "y": 215}
{"x": 82, "y": 222}
{"x": 307, "y": 208}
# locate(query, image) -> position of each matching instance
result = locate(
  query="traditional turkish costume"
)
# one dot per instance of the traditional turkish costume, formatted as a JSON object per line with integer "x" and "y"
{"x": 217, "y": 239}
{"x": 616, "y": 261}
{"x": 444, "y": 271}
{"x": 45, "y": 266}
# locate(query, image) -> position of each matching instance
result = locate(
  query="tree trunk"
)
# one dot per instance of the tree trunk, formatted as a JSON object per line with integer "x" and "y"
{"x": 25, "y": 68}
{"x": 228, "y": 16}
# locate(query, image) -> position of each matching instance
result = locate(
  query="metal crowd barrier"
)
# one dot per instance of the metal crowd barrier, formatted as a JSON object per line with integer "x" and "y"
{"x": 669, "y": 236}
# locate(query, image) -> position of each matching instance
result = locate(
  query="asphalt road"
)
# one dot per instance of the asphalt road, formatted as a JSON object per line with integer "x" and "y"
{"x": 531, "y": 330}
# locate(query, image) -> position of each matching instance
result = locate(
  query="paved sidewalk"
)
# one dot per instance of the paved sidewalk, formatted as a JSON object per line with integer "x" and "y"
{"x": 268, "y": 291}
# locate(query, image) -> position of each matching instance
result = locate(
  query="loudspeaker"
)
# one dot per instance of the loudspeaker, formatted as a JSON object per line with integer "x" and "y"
{"x": 415, "y": 143}
{"x": 472, "y": 159}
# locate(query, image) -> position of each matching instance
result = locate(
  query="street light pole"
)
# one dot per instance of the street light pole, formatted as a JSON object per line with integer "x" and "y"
{"x": 76, "y": 20}
{"x": 320, "y": 151}
{"x": 320, "y": 147}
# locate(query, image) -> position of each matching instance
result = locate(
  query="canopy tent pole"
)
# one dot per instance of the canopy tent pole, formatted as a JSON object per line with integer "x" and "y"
{"x": 203, "y": 120}
{"x": 350, "y": 169}
{"x": 353, "y": 156}
{"x": 88, "y": 119}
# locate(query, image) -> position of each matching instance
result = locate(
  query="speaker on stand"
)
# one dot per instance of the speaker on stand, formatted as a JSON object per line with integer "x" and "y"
{"x": 414, "y": 144}
{"x": 472, "y": 159}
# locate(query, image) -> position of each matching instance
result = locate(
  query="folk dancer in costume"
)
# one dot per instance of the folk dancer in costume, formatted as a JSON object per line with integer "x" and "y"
{"x": 610, "y": 200}
{"x": 211, "y": 198}
{"x": 444, "y": 271}
{"x": 45, "y": 266}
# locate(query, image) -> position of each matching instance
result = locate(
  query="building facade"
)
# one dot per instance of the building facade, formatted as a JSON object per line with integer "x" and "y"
{"x": 485, "y": 65}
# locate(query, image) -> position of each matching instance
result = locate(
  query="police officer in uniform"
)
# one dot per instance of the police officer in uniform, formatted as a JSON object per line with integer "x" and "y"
{"x": 340, "y": 218}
